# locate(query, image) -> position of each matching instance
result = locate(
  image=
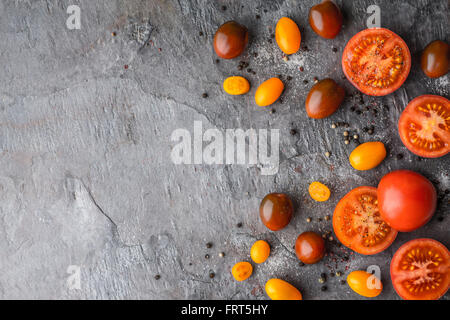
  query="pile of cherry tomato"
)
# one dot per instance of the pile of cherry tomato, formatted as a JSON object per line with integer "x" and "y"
{"x": 377, "y": 62}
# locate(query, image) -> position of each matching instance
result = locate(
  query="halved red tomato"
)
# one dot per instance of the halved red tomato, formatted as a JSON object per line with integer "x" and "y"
{"x": 420, "y": 270}
{"x": 376, "y": 61}
{"x": 358, "y": 225}
{"x": 424, "y": 126}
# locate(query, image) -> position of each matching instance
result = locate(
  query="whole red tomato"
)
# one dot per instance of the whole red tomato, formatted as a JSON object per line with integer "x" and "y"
{"x": 406, "y": 200}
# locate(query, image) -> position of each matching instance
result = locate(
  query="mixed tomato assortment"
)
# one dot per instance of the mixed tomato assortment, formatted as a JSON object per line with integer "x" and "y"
{"x": 367, "y": 219}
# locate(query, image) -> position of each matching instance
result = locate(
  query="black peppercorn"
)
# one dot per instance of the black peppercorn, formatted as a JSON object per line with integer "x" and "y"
{"x": 324, "y": 288}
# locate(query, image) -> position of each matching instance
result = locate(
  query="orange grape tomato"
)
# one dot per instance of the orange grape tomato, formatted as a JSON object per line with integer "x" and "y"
{"x": 278, "y": 289}
{"x": 236, "y": 85}
{"x": 287, "y": 35}
{"x": 268, "y": 92}
{"x": 368, "y": 155}
{"x": 360, "y": 283}
{"x": 319, "y": 192}
{"x": 242, "y": 271}
{"x": 260, "y": 251}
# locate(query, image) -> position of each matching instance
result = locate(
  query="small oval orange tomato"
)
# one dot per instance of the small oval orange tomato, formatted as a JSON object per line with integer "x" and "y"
{"x": 368, "y": 155}
{"x": 278, "y": 289}
{"x": 236, "y": 85}
{"x": 260, "y": 251}
{"x": 268, "y": 92}
{"x": 319, "y": 192}
{"x": 287, "y": 35}
{"x": 364, "y": 283}
{"x": 242, "y": 271}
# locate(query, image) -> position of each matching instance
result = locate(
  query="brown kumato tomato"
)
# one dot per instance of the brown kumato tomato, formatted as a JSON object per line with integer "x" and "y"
{"x": 435, "y": 59}
{"x": 309, "y": 247}
{"x": 376, "y": 61}
{"x": 324, "y": 99}
{"x": 325, "y": 19}
{"x": 424, "y": 126}
{"x": 357, "y": 222}
{"x": 230, "y": 40}
{"x": 420, "y": 270}
{"x": 276, "y": 211}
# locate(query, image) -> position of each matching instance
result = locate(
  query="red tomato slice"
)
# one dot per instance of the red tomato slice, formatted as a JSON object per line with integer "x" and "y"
{"x": 376, "y": 61}
{"x": 420, "y": 270}
{"x": 424, "y": 126}
{"x": 358, "y": 225}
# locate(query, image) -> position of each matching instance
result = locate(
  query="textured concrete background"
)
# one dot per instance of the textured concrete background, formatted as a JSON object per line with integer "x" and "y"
{"x": 85, "y": 124}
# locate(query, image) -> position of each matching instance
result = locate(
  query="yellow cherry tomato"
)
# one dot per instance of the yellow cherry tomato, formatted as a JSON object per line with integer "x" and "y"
{"x": 278, "y": 289}
{"x": 236, "y": 85}
{"x": 368, "y": 155}
{"x": 287, "y": 35}
{"x": 360, "y": 283}
{"x": 268, "y": 92}
{"x": 260, "y": 251}
{"x": 318, "y": 191}
{"x": 242, "y": 271}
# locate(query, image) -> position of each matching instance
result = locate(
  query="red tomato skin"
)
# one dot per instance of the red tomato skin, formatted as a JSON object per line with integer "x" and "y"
{"x": 406, "y": 199}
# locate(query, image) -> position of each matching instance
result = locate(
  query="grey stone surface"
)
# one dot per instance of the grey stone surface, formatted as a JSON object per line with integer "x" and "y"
{"x": 86, "y": 177}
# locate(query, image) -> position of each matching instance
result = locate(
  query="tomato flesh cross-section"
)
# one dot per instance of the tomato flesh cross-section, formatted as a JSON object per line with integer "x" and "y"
{"x": 420, "y": 270}
{"x": 358, "y": 225}
{"x": 376, "y": 61}
{"x": 424, "y": 126}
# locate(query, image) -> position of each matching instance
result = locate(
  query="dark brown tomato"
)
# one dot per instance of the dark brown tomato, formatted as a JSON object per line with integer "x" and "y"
{"x": 435, "y": 59}
{"x": 326, "y": 19}
{"x": 324, "y": 99}
{"x": 230, "y": 40}
{"x": 309, "y": 247}
{"x": 276, "y": 211}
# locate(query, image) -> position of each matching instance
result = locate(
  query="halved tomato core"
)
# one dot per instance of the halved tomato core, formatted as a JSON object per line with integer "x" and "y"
{"x": 376, "y": 61}
{"x": 420, "y": 270}
{"x": 358, "y": 225}
{"x": 424, "y": 126}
